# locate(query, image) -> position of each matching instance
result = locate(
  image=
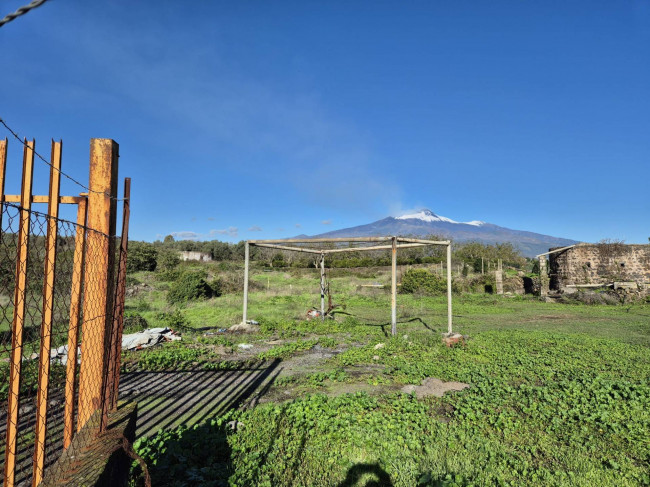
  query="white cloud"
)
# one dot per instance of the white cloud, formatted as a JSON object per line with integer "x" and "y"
{"x": 186, "y": 235}
{"x": 255, "y": 228}
{"x": 326, "y": 222}
{"x": 298, "y": 225}
{"x": 230, "y": 231}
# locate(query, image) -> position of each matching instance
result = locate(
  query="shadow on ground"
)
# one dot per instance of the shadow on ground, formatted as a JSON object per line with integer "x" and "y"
{"x": 169, "y": 399}
{"x": 366, "y": 475}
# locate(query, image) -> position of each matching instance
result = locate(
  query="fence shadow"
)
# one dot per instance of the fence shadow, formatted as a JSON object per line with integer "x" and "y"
{"x": 169, "y": 399}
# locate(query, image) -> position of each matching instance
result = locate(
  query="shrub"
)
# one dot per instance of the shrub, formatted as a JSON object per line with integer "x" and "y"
{"x": 134, "y": 322}
{"x": 168, "y": 259}
{"x": 189, "y": 286}
{"x": 172, "y": 320}
{"x": 422, "y": 281}
{"x": 141, "y": 257}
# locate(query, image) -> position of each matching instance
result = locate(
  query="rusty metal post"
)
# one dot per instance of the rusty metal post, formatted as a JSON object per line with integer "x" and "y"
{"x": 73, "y": 329}
{"x": 322, "y": 286}
{"x": 19, "y": 314}
{"x": 393, "y": 290}
{"x": 48, "y": 312}
{"x": 3, "y": 172}
{"x": 246, "y": 264}
{"x": 449, "y": 327}
{"x": 98, "y": 275}
{"x": 118, "y": 318}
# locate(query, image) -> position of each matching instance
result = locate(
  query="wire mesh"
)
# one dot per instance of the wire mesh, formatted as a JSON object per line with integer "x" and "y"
{"x": 55, "y": 313}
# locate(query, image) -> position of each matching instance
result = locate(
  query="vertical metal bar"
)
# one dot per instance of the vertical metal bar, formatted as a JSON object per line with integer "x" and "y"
{"x": 449, "y": 289}
{"x": 246, "y": 264}
{"x": 73, "y": 330}
{"x": 19, "y": 313}
{"x": 3, "y": 172}
{"x": 322, "y": 286}
{"x": 118, "y": 318}
{"x": 98, "y": 275}
{"x": 393, "y": 290}
{"x": 48, "y": 312}
{"x": 3, "y": 168}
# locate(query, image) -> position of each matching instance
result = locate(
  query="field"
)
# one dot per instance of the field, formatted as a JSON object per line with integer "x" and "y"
{"x": 558, "y": 394}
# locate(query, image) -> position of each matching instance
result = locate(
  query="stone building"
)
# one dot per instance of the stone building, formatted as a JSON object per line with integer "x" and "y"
{"x": 590, "y": 265}
{"x": 191, "y": 255}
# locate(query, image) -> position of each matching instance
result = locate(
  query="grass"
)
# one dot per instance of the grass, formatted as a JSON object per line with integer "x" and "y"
{"x": 559, "y": 394}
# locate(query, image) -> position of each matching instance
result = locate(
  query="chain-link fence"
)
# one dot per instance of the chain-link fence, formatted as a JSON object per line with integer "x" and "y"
{"x": 46, "y": 294}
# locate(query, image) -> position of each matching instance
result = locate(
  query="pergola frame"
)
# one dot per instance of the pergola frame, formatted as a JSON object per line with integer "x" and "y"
{"x": 383, "y": 243}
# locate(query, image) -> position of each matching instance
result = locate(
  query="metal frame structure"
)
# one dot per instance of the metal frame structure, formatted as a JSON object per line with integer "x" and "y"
{"x": 384, "y": 243}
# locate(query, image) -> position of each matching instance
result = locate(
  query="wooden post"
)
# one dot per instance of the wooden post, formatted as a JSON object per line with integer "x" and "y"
{"x": 482, "y": 267}
{"x": 98, "y": 275}
{"x": 73, "y": 329}
{"x": 322, "y": 287}
{"x": 449, "y": 289}
{"x": 20, "y": 295}
{"x": 246, "y": 264}
{"x": 48, "y": 313}
{"x": 393, "y": 290}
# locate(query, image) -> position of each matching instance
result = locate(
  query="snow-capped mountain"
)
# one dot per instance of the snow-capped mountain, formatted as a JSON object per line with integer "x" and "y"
{"x": 426, "y": 222}
{"x": 430, "y": 216}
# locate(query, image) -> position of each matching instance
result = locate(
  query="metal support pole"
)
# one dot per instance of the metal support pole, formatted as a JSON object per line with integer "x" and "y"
{"x": 449, "y": 289}
{"x": 18, "y": 325}
{"x": 393, "y": 293}
{"x": 322, "y": 286}
{"x": 73, "y": 328}
{"x": 49, "y": 272}
{"x": 247, "y": 256}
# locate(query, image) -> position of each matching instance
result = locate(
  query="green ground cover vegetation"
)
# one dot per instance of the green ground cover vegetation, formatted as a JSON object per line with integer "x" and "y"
{"x": 559, "y": 393}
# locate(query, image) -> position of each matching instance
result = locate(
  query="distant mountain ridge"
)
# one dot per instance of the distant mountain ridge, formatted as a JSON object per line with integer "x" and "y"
{"x": 426, "y": 222}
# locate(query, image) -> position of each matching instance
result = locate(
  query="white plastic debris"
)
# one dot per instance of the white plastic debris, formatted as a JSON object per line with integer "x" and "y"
{"x": 60, "y": 355}
{"x": 148, "y": 338}
{"x": 245, "y": 346}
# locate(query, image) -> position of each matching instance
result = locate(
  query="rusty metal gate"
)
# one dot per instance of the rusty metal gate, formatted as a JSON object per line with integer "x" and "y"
{"x": 61, "y": 308}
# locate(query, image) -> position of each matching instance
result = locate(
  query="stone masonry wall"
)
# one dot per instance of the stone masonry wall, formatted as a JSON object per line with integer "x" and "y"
{"x": 600, "y": 264}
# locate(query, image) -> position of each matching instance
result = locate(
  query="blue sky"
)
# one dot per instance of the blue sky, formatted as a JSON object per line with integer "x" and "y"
{"x": 269, "y": 119}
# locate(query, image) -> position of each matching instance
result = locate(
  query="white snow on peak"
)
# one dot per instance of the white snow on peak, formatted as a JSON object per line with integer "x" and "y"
{"x": 429, "y": 216}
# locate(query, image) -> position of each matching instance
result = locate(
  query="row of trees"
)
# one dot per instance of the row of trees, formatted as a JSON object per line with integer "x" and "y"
{"x": 164, "y": 255}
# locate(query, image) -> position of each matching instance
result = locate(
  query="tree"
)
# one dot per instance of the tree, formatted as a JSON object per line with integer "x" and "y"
{"x": 169, "y": 239}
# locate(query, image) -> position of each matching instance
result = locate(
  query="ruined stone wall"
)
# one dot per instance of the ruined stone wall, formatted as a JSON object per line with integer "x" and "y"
{"x": 191, "y": 255}
{"x": 600, "y": 264}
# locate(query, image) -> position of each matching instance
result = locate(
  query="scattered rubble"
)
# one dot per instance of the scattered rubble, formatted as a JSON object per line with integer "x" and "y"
{"x": 434, "y": 387}
{"x": 312, "y": 314}
{"x": 451, "y": 339}
{"x": 251, "y": 326}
